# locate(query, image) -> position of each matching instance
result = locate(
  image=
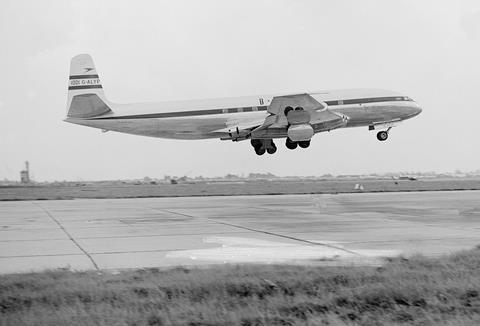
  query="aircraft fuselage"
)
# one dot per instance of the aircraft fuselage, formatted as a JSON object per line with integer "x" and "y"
{"x": 296, "y": 117}
{"x": 375, "y": 107}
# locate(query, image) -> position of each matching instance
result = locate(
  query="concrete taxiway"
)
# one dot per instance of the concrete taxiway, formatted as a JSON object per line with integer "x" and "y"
{"x": 160, "y": 232}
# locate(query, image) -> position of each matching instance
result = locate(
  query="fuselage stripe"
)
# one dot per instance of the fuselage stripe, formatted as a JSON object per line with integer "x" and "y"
{"x": 241, "y": 109}
{"x": 84, "y": 87}
{"x": 83, "y": 76}
{"x": 367, "y": 100}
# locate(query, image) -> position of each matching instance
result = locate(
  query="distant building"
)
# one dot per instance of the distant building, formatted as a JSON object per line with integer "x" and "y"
{"x": 359, "y": 186}
{"x": 25, "y": 174}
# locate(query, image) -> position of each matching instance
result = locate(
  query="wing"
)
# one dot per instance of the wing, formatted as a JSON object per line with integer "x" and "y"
{"x": 285, "y": 111}
{"x": 306, "y": 101}
{"x": 304, "y": 109}
{"x": 299, "y": 109}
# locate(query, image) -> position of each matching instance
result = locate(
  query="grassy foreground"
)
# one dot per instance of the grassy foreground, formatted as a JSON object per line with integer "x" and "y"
{"x": 417, "y": 291}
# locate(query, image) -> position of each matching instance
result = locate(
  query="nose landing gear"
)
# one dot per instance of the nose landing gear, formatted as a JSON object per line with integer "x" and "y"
{"x": 383, "y": 135}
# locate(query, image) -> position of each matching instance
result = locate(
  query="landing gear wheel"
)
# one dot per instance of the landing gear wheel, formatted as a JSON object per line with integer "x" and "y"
{"x": 287, "y": 109}
{"x": 272, "y": 150}
{"x": 298, "y": 108}
{"x": 291, "y": 144}
{"x": 257, "y": 146}
{"x": 304, "y": 144}
{"x": 270, "y": 146}
{"x": 382, "y": 135}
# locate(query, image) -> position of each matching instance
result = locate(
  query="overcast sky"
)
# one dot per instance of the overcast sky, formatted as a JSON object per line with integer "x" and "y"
{"x": 177, "y": 50}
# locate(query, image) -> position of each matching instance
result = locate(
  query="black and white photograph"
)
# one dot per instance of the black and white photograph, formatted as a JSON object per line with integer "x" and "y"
{"x": 250, "y": 163}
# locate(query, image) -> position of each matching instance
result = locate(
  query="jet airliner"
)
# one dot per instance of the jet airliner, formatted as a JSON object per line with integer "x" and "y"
{"x": 259, "y": 119}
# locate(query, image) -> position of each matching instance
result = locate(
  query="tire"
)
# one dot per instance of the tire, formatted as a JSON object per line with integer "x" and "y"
{"x": 304, "y": 144}
{"x": 287, "y": 109}
{"x": 271, "y": 150}
{"x": 255, "y": 143}
{"x": 260, "y": 150}
{"x": 291, "y": 144}
{"x": 382, "y": 135}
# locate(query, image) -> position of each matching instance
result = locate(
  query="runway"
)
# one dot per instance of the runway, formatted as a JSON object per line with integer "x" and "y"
{"x": 301, "y": 229}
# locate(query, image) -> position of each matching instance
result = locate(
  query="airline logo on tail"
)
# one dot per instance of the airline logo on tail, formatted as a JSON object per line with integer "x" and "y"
{"x": 84, "y": 81}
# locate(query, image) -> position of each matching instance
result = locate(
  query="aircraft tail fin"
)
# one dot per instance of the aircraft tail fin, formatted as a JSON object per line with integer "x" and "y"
{"x": 86, "y": 98}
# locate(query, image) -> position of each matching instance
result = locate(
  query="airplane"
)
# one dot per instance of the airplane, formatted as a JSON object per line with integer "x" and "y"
{"x": 261, "y": 119}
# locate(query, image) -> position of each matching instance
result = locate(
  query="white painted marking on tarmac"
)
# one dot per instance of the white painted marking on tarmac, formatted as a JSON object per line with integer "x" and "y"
{"x": 250, "y": 250}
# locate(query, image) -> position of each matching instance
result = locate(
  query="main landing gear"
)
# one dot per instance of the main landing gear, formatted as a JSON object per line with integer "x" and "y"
{"x": 263, "y": 145}
{"x": 298, "y": 127}
{"x": 293, "y": 144}
{"x": 298, "y": 122}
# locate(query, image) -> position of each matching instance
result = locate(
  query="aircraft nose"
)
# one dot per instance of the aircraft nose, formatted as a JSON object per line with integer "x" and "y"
{"x": 414, "y": 110}
{"x": 417, "y": 110}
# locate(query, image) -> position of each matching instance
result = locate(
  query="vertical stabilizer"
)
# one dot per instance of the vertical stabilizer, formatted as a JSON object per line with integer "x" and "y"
{"x": 85, "y": 93}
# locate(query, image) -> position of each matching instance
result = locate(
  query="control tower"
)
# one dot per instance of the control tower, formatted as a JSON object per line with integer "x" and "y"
{"x": 25, "y": 174}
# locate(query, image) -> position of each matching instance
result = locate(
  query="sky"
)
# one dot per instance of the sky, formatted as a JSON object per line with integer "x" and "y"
{"x": 179, "y": 50}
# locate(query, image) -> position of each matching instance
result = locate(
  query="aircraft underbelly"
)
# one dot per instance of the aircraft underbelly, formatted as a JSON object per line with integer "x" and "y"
{"x": 176, "y": 128}
{"x": 190, "y": 128}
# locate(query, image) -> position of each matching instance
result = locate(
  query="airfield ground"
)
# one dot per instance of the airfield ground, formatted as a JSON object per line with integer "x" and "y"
{"x": 314, "y": 229}
{"x": 231, "y": 188}
{"x": 325, "y": 256}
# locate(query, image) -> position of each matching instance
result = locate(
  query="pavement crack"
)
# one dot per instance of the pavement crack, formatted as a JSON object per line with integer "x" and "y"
{"x": 67, "y": 234}
{"x": 267, "y": 232}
